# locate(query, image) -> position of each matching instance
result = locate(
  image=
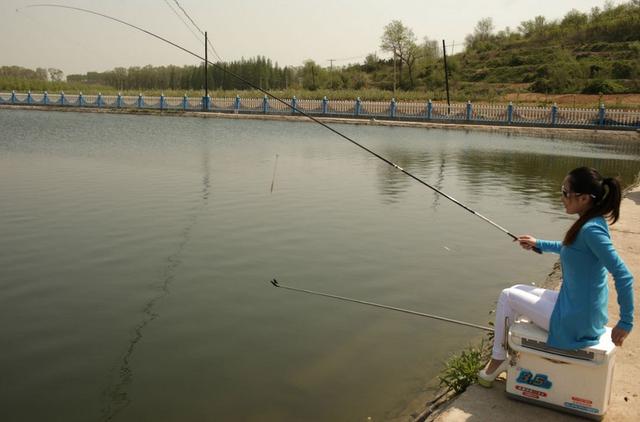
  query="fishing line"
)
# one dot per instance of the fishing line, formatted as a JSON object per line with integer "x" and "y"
{"x": 295, "y": 109}
{"x": 379, "y": 305}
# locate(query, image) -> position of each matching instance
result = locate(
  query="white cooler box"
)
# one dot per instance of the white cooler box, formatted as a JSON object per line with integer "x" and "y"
{"x": 574, "y": 381}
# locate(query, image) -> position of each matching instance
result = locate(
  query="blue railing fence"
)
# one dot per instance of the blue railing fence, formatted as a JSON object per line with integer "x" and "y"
{"x": 509, "y": 114}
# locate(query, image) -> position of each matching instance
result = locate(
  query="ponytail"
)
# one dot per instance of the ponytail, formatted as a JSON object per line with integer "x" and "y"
{"x": 606, "y": 194}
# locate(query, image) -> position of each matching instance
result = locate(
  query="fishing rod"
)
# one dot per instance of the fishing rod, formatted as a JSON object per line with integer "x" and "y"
{"x": 291, "y": 106}
{"x": 378, "y": 305}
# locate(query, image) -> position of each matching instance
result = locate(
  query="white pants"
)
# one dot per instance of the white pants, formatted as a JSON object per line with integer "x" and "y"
{"x": 521, "y": 300}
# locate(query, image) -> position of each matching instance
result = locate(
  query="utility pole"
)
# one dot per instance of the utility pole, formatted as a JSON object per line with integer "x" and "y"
{"x": 453, "y": 45}
{"x": 331, "y": 71}
{"x": 205, "y": 103}
{"x": 446, "y": 76}
{"x": 394, "y": 73}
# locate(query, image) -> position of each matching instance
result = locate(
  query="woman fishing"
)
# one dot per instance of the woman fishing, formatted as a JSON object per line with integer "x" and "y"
{"x": 576, "y": 315}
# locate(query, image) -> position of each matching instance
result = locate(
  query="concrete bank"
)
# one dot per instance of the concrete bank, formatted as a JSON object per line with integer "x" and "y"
{"x": 482, "y": 404}
{"x": 539, "y": 132}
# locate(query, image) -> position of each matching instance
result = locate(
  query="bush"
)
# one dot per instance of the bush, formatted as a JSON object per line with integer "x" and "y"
{"x": 516, "y": 61}
{"x": 462, "y": 370}
{"x": 479, "y": 74}
{"x": 542, "y": 85}
{"x": 621, "y": 70}
{"x": 602, "y": 86}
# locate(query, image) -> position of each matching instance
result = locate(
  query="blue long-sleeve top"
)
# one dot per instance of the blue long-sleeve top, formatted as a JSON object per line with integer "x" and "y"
{"x": 580, "y": 313}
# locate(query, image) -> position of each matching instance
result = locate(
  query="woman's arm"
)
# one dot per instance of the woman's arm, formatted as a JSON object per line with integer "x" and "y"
{"x": 529, "y": 242}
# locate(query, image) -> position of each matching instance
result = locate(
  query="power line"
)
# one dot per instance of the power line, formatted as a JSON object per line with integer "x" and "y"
{"x": 187, "y": 15}
{"x": 342, "y": 59}
{"x": 198, "y": 28}
{"x": 182, "y": 20}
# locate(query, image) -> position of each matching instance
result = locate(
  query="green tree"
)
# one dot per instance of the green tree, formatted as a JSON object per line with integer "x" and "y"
{"x": 401, "y": 41}
{"x": 536, "y": 26}
{"x": 311, "y": 75}
{"x": 482, "y": 35}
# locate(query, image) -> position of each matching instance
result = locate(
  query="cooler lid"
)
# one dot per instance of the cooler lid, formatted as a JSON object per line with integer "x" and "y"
{"x": 529, "y": 335}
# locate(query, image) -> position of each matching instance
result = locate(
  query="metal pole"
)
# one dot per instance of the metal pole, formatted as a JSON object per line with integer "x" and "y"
{"x": 394, "y": 73}
{"x": 206, "y": 83}
{"x": 331, "y": 71}
{"x": 446, "y": 76}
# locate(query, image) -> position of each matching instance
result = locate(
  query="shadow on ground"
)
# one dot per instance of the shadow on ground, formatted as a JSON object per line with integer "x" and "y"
{"x": 635, "y": 197}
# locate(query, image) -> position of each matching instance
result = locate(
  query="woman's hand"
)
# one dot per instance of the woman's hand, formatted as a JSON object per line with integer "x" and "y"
{"x": 618, "y": 335}
{"x": 527, "y": 242}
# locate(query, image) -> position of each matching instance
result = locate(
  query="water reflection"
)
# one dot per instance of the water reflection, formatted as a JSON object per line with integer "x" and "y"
{"x": 439, "y": 180}
{"x": 393, "y": 182}
{"x": 528, "y": 176}
{"x": 534, "y": 176}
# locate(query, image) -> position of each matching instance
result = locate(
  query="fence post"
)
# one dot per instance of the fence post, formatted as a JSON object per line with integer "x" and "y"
{"x": 29, "y": 99}
{"x": 45, "y": 98}
{"x": 325, "y": 105}
{"x": 236, "y": 105}
{"x": 429, "y": 109}
{"x": 510, "y": 113}
{"x": 13, "y": 97}
{"x": 294, "y": 102}
{"x": 357, "y": 107}
{"x": 265, "y": 105}
{"x": 601, "y": 114}
{"x": 554, "y": 114}
{"x": 469, "y": 110}
{"x": 392, "y": 108}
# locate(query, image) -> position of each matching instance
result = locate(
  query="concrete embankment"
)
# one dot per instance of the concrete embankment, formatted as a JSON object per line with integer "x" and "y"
{"x": 482, "y": 404}
{"x": 510, "y": 130}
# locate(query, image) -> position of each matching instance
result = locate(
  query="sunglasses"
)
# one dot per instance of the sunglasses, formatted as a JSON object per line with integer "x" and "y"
{"x": 567, "y": 194}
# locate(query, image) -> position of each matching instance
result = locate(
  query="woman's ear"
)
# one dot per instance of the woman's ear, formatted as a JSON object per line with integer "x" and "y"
{"x": 585, "y": 199}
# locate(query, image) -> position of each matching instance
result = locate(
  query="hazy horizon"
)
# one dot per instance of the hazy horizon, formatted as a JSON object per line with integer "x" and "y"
{"x": 287, "y": 32}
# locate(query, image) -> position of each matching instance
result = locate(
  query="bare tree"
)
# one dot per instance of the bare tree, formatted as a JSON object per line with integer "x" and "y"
{"x": 56, "y": 75}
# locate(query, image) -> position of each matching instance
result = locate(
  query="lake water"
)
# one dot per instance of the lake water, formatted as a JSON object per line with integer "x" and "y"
{"x": 136, "y": 255}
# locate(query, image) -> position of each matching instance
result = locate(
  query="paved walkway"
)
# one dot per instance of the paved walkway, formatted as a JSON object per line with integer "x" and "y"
{"x": 482, "y": 404}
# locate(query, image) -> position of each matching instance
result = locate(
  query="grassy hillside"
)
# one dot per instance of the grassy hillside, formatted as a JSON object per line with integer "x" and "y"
{"x": 589, "y": 53}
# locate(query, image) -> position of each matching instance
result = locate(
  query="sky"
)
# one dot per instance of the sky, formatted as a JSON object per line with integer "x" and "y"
{"x": 288, "y": 32}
